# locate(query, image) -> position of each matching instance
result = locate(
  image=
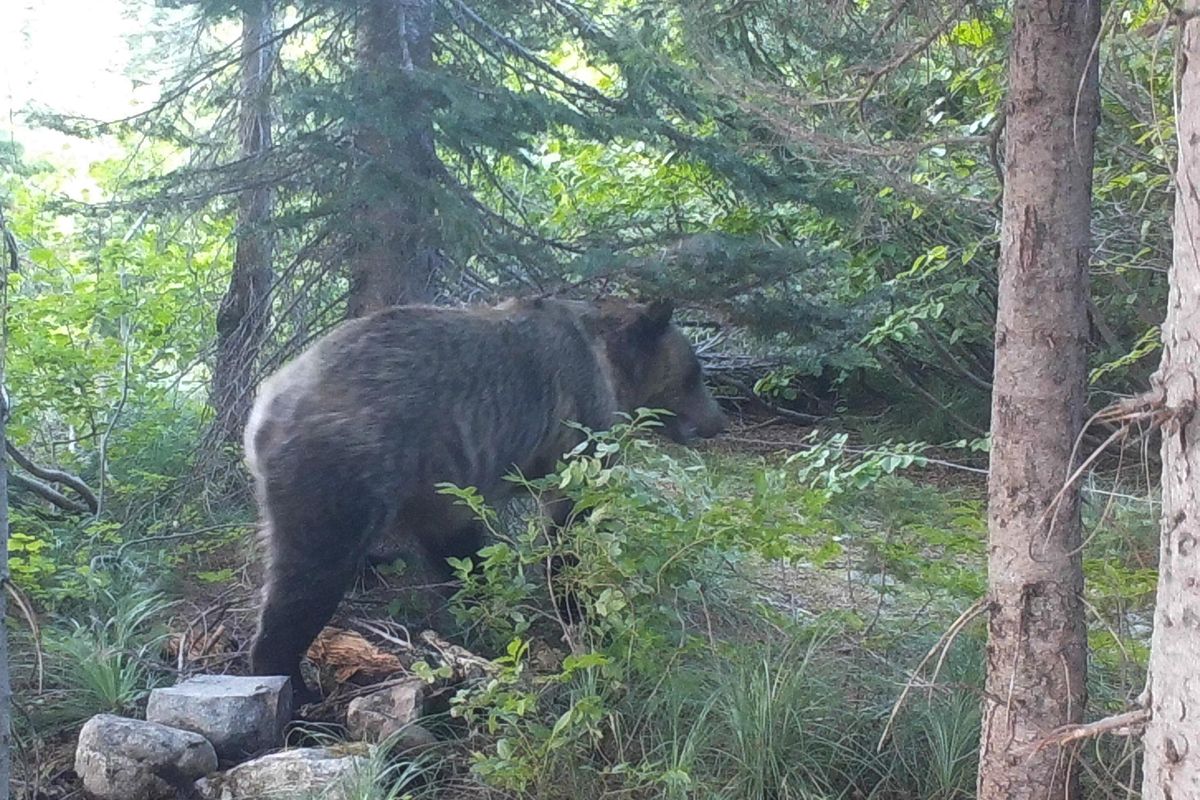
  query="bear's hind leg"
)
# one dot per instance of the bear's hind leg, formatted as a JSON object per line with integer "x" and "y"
{"x": 315, "y": 549}
{"x": 301, "y": 595}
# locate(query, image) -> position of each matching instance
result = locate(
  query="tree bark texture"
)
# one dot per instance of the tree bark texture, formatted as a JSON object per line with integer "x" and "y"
{"x": 395, "y": 258}
{"x": 1172, "y": 738}
{"x": 5, "y": 676}
{"x": 8, "y": 264}
{"x": 1037, "y": 646}
{"x": 245, "y": 309}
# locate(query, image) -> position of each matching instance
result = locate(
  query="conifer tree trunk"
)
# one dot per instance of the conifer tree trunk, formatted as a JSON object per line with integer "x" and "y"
{"x": 1037, "y": 647}
{"x": 8, "y": 264}
{"x": 396, "y": 234}
{"x": 245, "y": 309}
{"x": 1172, "y": 738}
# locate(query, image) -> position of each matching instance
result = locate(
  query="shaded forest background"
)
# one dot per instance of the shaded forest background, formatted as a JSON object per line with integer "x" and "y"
{"x": 823, "y": 182}
{"x": 816, "y": 184}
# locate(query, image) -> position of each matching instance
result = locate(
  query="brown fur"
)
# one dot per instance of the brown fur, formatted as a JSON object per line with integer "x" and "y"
{"x": 347, "y": 442}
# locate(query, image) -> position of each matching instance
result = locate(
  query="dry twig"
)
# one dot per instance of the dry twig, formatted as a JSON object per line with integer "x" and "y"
{"x": 35, "y": 629}
{"x": 907, "y": 56}
{"x": 1128, "y": 723}
{"x": 940, "y": 648}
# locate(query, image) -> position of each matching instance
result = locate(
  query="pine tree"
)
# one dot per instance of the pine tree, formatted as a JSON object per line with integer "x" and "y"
{"x": 244, "y": 311}
{"x": 1037, "y": 640}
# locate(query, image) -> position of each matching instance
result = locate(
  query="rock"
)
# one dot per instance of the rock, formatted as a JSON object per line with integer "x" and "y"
{"x": 304, "y": 772}
{"x": 241, "y": 716}
{"x": 374, "y": 717}
{"x": 128, "y": 759}
{"x": 410, "y": 740}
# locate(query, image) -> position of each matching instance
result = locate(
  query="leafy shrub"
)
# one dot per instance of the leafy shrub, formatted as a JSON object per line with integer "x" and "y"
{"x": 674, "y": 685}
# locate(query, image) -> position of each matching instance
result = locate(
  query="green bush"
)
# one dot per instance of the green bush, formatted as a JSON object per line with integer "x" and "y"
{"x": 675, "y": 685}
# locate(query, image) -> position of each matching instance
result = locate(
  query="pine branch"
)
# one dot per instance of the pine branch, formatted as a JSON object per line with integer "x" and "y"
{"x": 525, "y": 54}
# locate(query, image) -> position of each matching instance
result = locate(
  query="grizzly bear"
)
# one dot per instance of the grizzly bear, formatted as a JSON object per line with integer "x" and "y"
{"x": 347, "y": 442}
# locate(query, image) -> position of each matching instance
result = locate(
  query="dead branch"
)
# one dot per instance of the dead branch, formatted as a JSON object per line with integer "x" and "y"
{"x": 525, "y": 54}
{"x": 1128, "y": 723}
{"x": 73, "y": 482}
{"x": 901, "y": 372}
{"x": 218, "y": 64}
{"x": 1146, "y": 407}
{"x": 47, "y": 493}
{"x": 166, "y": 537}
{"x": 932, "y": 337}
{"x": 1156, "y": 27}
{"x": 35, "y": 629}
{"x": 749, "y": 94}
{"x": 126, "y": 335}
{"x": 747, "y": 393}
{"x": 907, "y": 56}
{"x": 892, "y": 18}
{"x": 465, "y": 664}
{"x": 940, "y": 648}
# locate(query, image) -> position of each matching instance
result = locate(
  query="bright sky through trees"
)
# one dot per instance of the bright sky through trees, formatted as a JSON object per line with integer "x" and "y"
{"x": 71, "y": 56}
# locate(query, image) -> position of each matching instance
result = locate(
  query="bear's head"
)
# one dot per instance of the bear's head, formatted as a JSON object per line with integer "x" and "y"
{"x": 655, "y": 366}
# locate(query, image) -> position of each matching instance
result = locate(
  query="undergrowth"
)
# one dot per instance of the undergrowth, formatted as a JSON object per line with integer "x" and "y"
{"x": 103, "y": 658}
{"x": 700, "y": 669}
{"x": 685, "y": 681}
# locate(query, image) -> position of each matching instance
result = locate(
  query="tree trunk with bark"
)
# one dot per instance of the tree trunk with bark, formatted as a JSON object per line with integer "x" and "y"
{"x": 1037, "y": 646}
{"x": 396, "y": 255}
{"x": 8, "y": 264}
{"x": 245, "y": 309}
{"x": 1172, "y": 738}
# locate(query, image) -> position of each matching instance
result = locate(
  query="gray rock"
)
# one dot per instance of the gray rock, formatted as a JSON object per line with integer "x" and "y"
{"x": 241, "y": 716}
{"x": 374, "y": 717}
{"x": 289, "y": 775}
{"x": 128, "y": 759}
{"x": 410, "y": 740}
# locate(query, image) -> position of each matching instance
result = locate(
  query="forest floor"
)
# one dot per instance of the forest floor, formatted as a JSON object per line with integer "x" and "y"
{"x": 909, "y": 558}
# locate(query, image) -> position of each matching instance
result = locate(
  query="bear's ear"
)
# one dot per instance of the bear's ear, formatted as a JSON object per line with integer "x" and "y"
{"x": 653, "y": 320}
